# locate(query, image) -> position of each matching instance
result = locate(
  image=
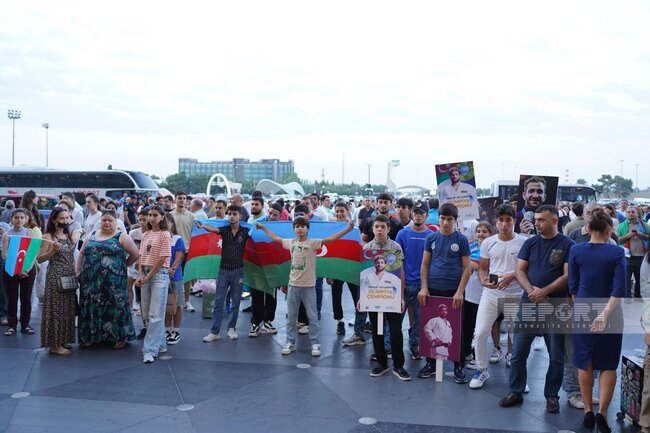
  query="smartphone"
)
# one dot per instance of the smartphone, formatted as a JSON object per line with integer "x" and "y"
{"x": 493, "y": 278}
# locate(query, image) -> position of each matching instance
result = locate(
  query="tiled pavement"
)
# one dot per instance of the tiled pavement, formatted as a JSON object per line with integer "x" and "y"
{"x": 248, "y": 386}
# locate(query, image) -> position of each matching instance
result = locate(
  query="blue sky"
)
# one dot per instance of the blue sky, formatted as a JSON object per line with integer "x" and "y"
{"x": 518, "y": 87}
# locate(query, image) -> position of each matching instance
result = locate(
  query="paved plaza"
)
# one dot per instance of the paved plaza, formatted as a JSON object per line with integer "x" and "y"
{"x": 247, "y": 386}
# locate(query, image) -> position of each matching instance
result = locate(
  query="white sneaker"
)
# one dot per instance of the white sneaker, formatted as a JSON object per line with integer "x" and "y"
{"x": 479, "y": 379}
{"x": 315, "y": 350}
{"x": 527, "y": 389}
{"x": 576, "y": 401}
{"x": 472, "y": 365}
{"x": 211, "y": 337}
{"x": 232, "y": 334}
{"x": 539, "y": 344}
{"x": 303, "y": 330}
{"x": 288, "y": 348}
{"x": 496, "y": 356}
{"x": 147, "y": 359}
{"x": 189, "y": 307}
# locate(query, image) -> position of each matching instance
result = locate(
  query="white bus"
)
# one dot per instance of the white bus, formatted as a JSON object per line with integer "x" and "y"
{"x": 506, "y": 189}
{"x": 108, "y": 183}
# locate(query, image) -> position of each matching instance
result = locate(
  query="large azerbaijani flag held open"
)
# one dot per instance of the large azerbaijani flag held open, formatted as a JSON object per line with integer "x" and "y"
{"x": 267, "y": 264}
{"x": 21, "y": 254}
{"x": 204, "y": 256}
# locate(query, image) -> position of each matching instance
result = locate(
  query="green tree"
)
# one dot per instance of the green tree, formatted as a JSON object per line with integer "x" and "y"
{"x": 581, "y": 182}
{"x": 617, "y": 185}
{"x": 110, "y": 167}
{"x": 188, "y": 184}
{"x": 622, "y": 186}
{"x": 604, "y": 185}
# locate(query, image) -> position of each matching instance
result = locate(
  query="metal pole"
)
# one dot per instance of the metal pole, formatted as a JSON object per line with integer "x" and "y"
{"x": 636, "y": 182}
{"x": 47, "y": 151}
{"x": 13, "y": 115}
{"x": 13, "y": 142}
{"x": 622, "y": 160}
{"x": 369, "y": 174}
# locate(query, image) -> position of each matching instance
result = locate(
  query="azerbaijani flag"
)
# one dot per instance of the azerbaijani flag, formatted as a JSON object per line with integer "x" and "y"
{"x": 21, "y": 254}
{"x": 267, "y": 264}
{"x": 204, "y": 257}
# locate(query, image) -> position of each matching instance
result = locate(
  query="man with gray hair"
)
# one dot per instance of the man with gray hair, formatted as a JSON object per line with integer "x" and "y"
{"x": 6, "y": 214}
{"x": 196, "y": 206}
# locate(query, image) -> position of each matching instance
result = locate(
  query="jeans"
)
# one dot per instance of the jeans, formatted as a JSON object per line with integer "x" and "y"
{"x": 337, "y": 294}
{"x": 228, "y": 279}
{"x": 308, "y": 297}
{"x": 153, "y": 306}
{"x": 319, "y": 294}
{"x": 634, "y": 268}
{"x": 522, "y": 341}
{"x": 3, "y": 294}
{"x": 570, "y": 383}
{"x": 412, "y": 299}
{"x": 19, "y": 288}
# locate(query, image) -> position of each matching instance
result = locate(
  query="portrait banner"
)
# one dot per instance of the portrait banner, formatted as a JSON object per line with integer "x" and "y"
{"x": 534, "y": 191}
{"x": 380, "y": 283}
{"x": 440, "y": 327}
{"x": 457, "y": 185}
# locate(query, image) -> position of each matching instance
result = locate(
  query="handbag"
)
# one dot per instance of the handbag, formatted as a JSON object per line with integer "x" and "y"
{"x": 68, "y": 284}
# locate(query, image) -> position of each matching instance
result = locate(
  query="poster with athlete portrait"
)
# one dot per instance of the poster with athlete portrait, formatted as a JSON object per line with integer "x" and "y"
{"x": 534, "y": 191}
{"x": 440, "y": 326}
{"x": 456, "y": 185}
{"x": 380, "y": 286}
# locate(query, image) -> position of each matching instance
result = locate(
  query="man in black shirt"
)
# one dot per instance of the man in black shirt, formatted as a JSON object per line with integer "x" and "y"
{"x": 231, "y": 272}
{"x": 384, "y": 201}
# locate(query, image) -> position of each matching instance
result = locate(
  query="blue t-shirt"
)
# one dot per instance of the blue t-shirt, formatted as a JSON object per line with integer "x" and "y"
{"x": 412, "y": 244}
{"x": 446, "y": 265}
{"x": 179, "y": 245}
{"x": 546, "y": 259}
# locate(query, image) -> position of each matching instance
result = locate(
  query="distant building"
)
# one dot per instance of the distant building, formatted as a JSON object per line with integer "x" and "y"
{"x": 239, "y": 169}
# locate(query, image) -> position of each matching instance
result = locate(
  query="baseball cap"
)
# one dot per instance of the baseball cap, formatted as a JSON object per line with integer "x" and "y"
{"x": 421, "y": 207}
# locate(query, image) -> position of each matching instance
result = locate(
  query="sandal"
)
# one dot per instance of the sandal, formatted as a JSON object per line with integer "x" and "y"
{"x": 27, "y": 330}
{"x": 9, "y": 332}
{"x": 119, "y": 345}
{"x": 59, "y": 351}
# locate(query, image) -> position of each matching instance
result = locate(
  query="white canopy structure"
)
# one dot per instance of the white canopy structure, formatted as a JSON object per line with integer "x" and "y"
{"x": 270, "y": 187}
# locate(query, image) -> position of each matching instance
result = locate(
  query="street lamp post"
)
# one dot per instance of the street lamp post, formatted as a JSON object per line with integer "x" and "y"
{"x": 13, "y": 115}
{"x": 47, "y": 151}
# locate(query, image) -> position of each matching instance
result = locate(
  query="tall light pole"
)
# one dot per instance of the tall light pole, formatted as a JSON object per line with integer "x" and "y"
{"x": 47, "y": 151}
{"x": 13, "y": 115}
{"x": 622, "y": 161}
{"x": 636, "y": 182}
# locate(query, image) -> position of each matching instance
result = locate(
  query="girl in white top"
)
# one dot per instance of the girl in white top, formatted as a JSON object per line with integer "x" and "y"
{"x": 92, "y": 203}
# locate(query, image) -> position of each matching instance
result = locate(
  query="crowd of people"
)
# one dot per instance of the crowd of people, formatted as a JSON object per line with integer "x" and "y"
{"x": 130, "y": 256}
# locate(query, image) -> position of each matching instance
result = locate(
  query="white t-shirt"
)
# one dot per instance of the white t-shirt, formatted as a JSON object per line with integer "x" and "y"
{"x": 503, "y": 260}
{"x": 474, "y": 289}
{"x": 90, "y": 222}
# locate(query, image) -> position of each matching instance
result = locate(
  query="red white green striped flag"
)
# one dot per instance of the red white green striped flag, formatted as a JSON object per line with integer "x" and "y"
{"x": 204, "y": 256}
{"x": 21, "y": 254}
{"x": 266, "y": 263}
